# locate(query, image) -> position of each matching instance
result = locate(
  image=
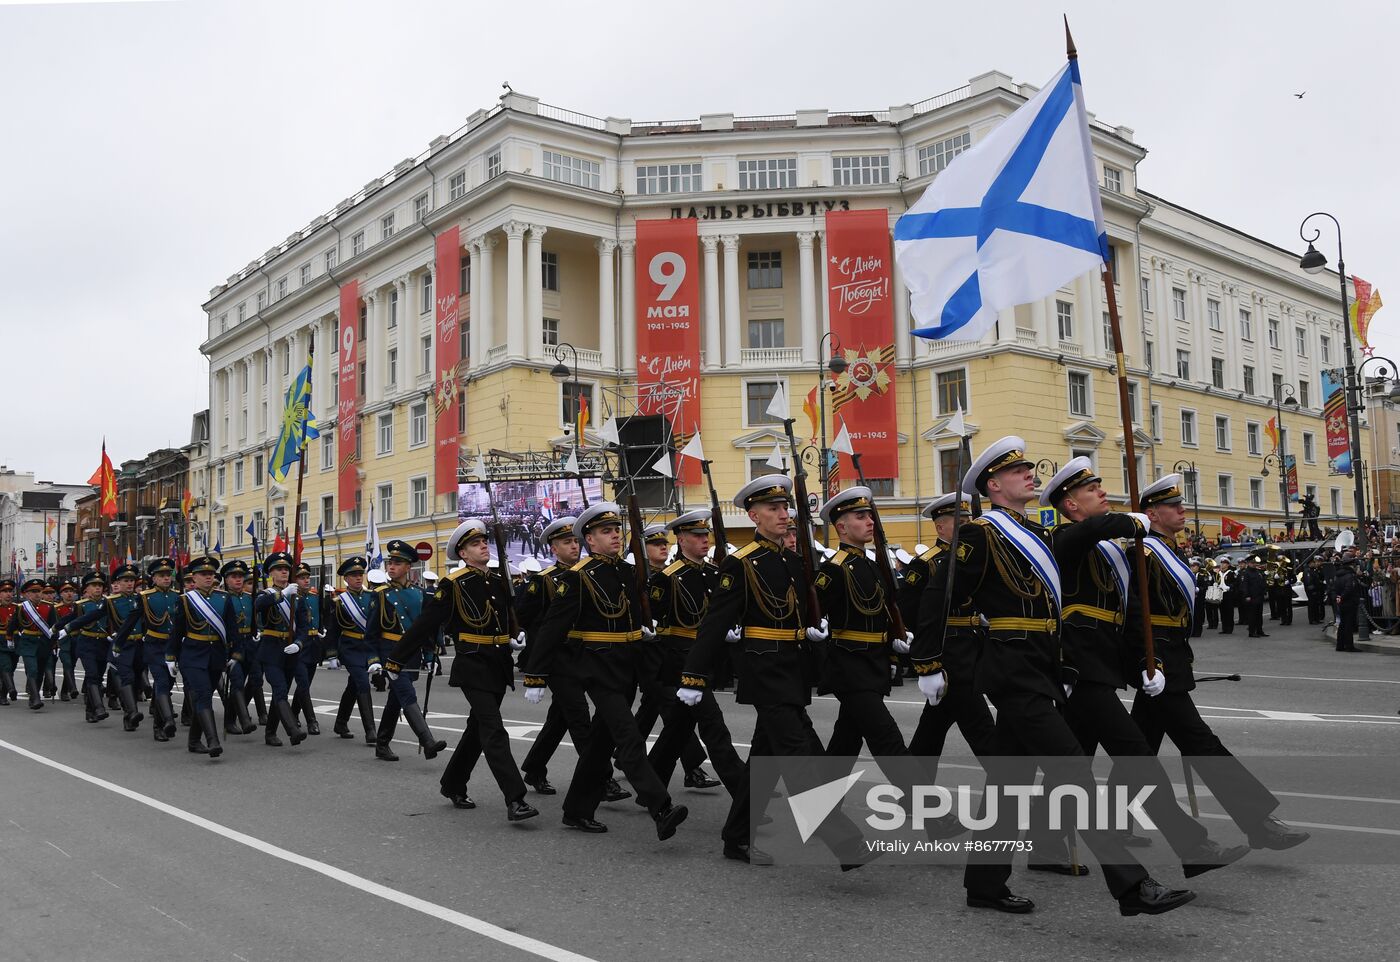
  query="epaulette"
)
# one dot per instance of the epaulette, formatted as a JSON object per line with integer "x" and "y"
{"x": 840, "y": 557}
{"x": 459, "y": 573}
{"x": 673, "y": 567}
{"x": 932, "y": 553}
{"x": 581, "y": 564}
{"x": 982, "y": 521}
{"x": 148, "y": 591}
{"x": 746, "y": 550}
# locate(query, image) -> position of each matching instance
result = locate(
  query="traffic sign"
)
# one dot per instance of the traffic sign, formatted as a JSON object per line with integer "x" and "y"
{"x": 424, "y": 549}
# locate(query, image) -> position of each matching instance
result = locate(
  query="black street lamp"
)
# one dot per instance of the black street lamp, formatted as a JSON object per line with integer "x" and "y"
{"x": 562, "y": 372}
{"x": 1283, "y": 397}
{"x": 1188, "y": 468}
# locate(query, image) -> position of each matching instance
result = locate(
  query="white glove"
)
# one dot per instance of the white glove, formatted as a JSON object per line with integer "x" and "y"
{"x": 901, "y": 645}
{"x": 1142, "y": 519}
{"x": 690, "y": 696}
{"x": 734, "y": 634}
{"x": 229, "y": 666}
{"x": 1155, "y": 685}
{"x": 933, "y": 686}
{"x": 534, "y": 695}
{"x": 648, "y": 632}
{"x": 290, "y": 591}
{"x": 819, "y": 633}
{"x": 1069, "y": 689}
{"x": 517, "y": 642}
{"x": 333, "y": 664}
{"x": 375, "y": 668}
{"x": 173, "y": 668}
{"x": 291, "y": 649}
{"x": 62, "y": 633}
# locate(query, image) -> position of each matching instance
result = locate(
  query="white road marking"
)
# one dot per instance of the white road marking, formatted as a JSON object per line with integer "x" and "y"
{"x": 171, "y": 918}
{"x": 1324, "y": 826}
{"x": 460, "y": 919}
{"x": 108, "y": 881}
{"x": 53, "y": 846}
{"x": 1358, "y": 681}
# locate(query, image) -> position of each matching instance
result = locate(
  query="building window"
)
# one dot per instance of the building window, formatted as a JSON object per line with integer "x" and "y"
{"x": 281, "y": 288}
{"x": 1183, "y": 365}
{"x": 1246, "y": 326}
{"x": 767, "y": 332}
{"x": 574, "y": 394}
{"x": 1223, "y": 489}
{"x": 457, "y": 185}
{"x": 462, "y": 411}
{"x": 572, "y": 170}
{"x": 1256, "y": 492}
{"x": 1273, "y": 333}
{"x": 549, "y": 332}
{"x": 1133, "y": 410}
{"x": 421, "y": 207}
{"x": 418, "y": 497}
{"x": 1189, "y": 477}
{"x": 1300, "y": 342}
{"x": 1112, "y": 179}
{"x": 768, "y": 173}
{"x": 948, "y": 476}
{"x": 1156, "y": 413}
{"x": 331, "y": 258}
{"x": 493, "y": 163}
{"x": 418, "y": 424}
{"x": 386, "y": 227}
{"x": 1278, "y": 386}
{"x": 1303, "y": 398}
{"x": 305, "y": 275}
{"x": 238, "y": 476}
{"x": 1147, "y": 355}
{"x": 1217, "y": 371}
{"x": 1213, "y": 315}
{"x": 425, "y": 354}
{"x": 425, "y": 286}
{"x": 765, "y": 270}
{"x": 1336, "y": 499}
{"x": 1222, "y": 433}
{"x": 1325, "y": 348}
{"x": 952, "y": 391}
{"x": 328, "y": 511}
{"x": 262, "y": 301}
{"x": 386, "y": 433}
{"x": 934, "y": 157}
{"x": 1249, "y": 379}
{"x": 257, "y": 470}
{"x": 223, "y": 323}
{"x": 758, "y": 467}
{"x": 1308, "y": 453}
{"x": 1178, "y": 304}
{"x": 239, "y": 529}
{"x": 1251, "y": 438}
{"x": 549, "y": 271}
{"x": 393, "y": 308}
{"x": 327, "y": 450}
{"x": 357, "y": 244}
{"x": 464, "y": 278}
{"x": 668, "y": 178}
{"x": 1064, "y": 315}
{"x": 1079, "y": 394}
{"x": 1107, "y": 333}
{"x": 1188, "y": 428}
{"x": 757, "y": 396}
{"x": 392, "y": 369}
{"x": 384, "y": 494}
{"x": 858, "y": 171}
{"x": 361, "y": 379}
{"x": 219, "y": 482}
{"x": 1145, "y": 289}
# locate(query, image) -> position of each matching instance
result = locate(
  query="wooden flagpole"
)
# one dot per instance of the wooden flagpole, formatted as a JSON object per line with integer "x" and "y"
{"x": 301, "y": 469}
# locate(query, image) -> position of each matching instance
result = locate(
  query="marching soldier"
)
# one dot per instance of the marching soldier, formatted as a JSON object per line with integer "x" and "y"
{"x": 1007, "y": 571}
{"x": 67, "y": 609}
{"x": 8, "y": 653}
{"x": 309, "y": 600}
{"x": 596, "y": 613}
{"x": 237, "y": 648}
{"x": 31, "y": 630}
{"x": 1254, "y": 588}
{"x": 281, "y": 623}
{"x": 88, "y": 625}
{"x": 201, "y": 628}
{"x": 48, "y": 654}
{"x": 150, "y": 620}
{"x": 475, "y": 609}
{"x": 1168, "y": 710}
{"x": 122, "y": 604}
{"x": 1098, "y": 596}
{"x": 397, "y": 606}
{"x": 1230, "y": 581}
{"x": 348, "y": 646}
{"x": 1283, "y": 589}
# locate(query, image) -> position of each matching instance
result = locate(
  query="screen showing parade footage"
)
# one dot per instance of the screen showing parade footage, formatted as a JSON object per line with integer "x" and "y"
{"x": 526, "y": 508}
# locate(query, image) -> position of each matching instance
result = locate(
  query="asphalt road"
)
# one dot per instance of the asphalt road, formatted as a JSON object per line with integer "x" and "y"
{"x": 115, "y": 847}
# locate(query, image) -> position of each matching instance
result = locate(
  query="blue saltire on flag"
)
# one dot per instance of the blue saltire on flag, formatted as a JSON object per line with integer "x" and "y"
{"x": 298, "y": 426}
{"x": 1008, "y": 222}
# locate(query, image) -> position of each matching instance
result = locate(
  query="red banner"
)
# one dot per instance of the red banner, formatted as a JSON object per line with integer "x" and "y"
{"x": 668, "y": 329}
{"x": 859, "y": 291}
{"x": 447, "y": 382}
{"x": 347, "y": 412}
{"x": 1232, "y": 528}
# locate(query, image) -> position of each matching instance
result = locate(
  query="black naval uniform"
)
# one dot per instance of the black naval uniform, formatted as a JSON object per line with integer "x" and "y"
{"x": 1022, "y": 671}
{"x": 1252, "y": 592}
{"x": 568, "y": 705}
{"x": 1231, "y": 602}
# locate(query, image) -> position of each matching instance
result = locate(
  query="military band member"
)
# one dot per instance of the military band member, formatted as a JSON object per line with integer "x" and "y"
{"x": 472, "y": 604}
{"x": 1098, "y": 610}
{"x": 281, "y": 626}
{"x": 67, "y": 609}
{"x": 397, "y": 606}
{"x": 8, "y": 649}
{"x": 1006, "y": 570}
{"x": 238, "y": 648}
{"x": 1253, "y": 589}
{"x": 310, "y": 602}
{"x": 1230, "y": 581}
{"x": 150, "y": 620}
{"x": 1167, "y": 709}
{"x": 348, "y": 646}
{"x": 201, "y": 625}
{"x": 595, "y": 611}
{"x": 31, "y": 630}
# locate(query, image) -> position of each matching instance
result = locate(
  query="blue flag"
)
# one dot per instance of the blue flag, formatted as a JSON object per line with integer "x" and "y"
{"x": 298, "y": 426}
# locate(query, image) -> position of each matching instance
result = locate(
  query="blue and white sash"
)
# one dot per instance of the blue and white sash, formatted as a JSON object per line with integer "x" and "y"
{"x": 284, "y": 606}
{"x": 1118, "y": 563}
{"x": 1178, "y": 569}
{"x": 37, "y": 619}
{"x": 206, "y": 611}
{"x": 1032, "y": 548}
{"x": 352, "y": 608}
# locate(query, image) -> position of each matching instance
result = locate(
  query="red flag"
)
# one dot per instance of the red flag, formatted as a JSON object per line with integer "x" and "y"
{"x": 105, "y": 479}
{"x": 809, "y": 407}
{"x": 1232, "y": 528}
{"x": 279, "y": 543}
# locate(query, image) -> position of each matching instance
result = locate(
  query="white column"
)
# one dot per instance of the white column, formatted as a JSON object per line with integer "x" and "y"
{"x": 902, "y": 344}
{"x": 328, "y": 368}
{"x": 710, "y": 244}
{"x": 216, "y": 413}
{"x": 808, "y": 282}
{"x": 1040, "y": 320}
{"x": 607, "y": 323}
{"x": 1089, "y": 325}
{"x": 1201, "y": 344}
{"x": 1006, "y": 325}
{"x": 732, "y": 321}
{"x": 408, "y": 329}
{"x": 824, "y": 293}
{"x": 1229, "y": 319}
{"x": 515, "y": 289}
{"x": 374, "y": 348}
{"x": 534, "y": 293}
{"x": 1165, "y": 336}
{"x": 475, "y": 350}
{"x": 266, "y": 393}
{"x": 629, "y": 306}
{"x": 487, "y": 300}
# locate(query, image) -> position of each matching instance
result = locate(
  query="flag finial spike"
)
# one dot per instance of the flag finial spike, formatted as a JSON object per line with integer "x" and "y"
{"x": 1070, "y": 52}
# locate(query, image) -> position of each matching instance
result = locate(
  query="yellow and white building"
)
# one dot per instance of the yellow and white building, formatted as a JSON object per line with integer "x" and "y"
{"x": 547, "y": 201}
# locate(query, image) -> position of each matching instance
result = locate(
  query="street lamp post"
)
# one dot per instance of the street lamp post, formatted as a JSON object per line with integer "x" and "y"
{"x": 562, "y": 372}
{"x": 1189, "y": 468}
{"x": 836, "y": 365}
{"x": 1283, "y": 397}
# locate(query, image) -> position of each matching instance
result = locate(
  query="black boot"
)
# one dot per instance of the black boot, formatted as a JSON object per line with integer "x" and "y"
{"x": 431, "y": 745}
{"x": 69, "y": 690}
{"x": 94, "y": 695}
{"x": 211, "y": 732}
{"x": 158, "y": 723}
{"x": 50, "y": 682}
{"x": 231, "y": 726}
{"x": 283, "y": 710}
{"x": 313, "y": 727}
{"x": 196, "y": 744}
{"x": 4, "y": 688}
{"x": 113, "y": 697}
{"x": 88, "y": 715}
{"x": 36, "y": 700}
{"x": 342, "y": 714}
{"x": 167, "y": 714}
{"x": 365, "y": 701}
{"x": 131, "y": 719}
{"x": 186, "y": 711}
{"x": 388, "y": 721}
{"x": 260, "y": 700}
{"x": 270, "y": 731}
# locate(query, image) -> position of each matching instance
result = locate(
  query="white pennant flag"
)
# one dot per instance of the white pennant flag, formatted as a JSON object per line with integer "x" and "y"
{"x": 663, "y": 465}
{"x": 693, "y": 449}
{"x": 571, "y": 465}
{"x": 608, "y": 432}
{"x": 842, "y": 442}
{"x": 776, "y": 460}
{"x": 955, "y": 423}
{"x": 480, "y": 467}
{"x": 778, "y": 407}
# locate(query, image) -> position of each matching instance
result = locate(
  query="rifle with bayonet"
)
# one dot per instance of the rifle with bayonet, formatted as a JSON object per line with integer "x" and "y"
{"x": 882, "y": 563}
{"x": 812, "y": 610}
{"x": 716, "y": 518}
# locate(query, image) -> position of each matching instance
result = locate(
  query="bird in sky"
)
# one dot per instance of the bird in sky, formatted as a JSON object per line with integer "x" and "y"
{"x": 1301, "y": 95}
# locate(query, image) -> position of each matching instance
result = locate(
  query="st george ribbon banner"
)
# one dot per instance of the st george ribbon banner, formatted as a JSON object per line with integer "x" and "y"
{"x": 668, "y": 329}
{"x": 1334, "y": 417}
{"x": 347, "y": 414}
{"x": 859, "y": 291}
{"x": 447, "y": 359}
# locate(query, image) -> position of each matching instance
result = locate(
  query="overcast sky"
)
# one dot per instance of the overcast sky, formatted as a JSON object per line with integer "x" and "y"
{"x": 151, "y": 149}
